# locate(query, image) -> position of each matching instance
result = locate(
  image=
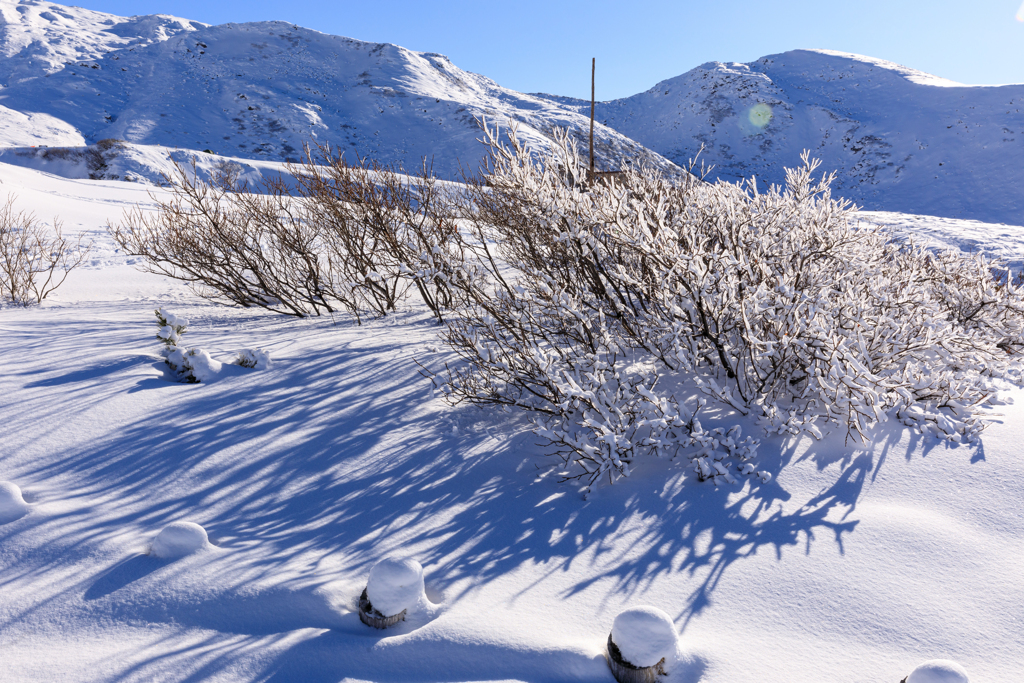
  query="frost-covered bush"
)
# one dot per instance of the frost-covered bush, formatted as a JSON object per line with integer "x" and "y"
{"x": 341, "y": 237}
{"x": 34, "y": 260}
{"x": 250, "y": 246}
{"x": 192, "y": 366}
{"x": 609, "y": 300}
{"x": 257, "y": 359}
{"x": 171, "y": 328}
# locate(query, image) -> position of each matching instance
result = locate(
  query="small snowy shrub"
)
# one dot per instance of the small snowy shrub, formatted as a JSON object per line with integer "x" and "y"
{"x": 192, "y": 366}
{"x": 34, "y": 260}
{"x": 384, "y": 231}
{"x": 777, "y": 305}
{"x": 171, "y": 328}
{"x": 257, "y": 359}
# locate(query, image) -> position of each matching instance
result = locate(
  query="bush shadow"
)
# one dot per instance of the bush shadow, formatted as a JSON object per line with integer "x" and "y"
{"x": 335, "y": 454}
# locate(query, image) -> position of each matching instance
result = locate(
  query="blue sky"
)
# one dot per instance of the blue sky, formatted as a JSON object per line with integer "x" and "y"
{"x": 546, "y": 46}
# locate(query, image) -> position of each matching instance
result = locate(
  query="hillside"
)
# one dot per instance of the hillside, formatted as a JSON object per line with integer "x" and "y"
{"x": 899, "y": 139}
{"x": 258, "y": 90}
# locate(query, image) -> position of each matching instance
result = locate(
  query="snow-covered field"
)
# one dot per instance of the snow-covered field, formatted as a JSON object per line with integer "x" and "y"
{"x": 853, "y": 564}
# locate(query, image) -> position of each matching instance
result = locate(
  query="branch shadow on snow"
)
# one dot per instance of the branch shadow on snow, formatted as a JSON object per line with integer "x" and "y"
{"x": 331, "y": 455}
{"x": 122, "y": 574}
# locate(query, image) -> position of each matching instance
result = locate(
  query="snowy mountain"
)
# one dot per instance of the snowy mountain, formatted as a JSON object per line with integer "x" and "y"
{"x": 258, "y": 90}
{"x": 900, "y": 140}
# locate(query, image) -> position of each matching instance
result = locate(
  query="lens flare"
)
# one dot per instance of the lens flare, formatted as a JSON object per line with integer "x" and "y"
{"x": 760, "y": 115}
{"x": 1020, "y": 13}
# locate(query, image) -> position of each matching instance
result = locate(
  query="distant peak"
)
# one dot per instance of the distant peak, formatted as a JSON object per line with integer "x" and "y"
{"x": 821, "y": 55}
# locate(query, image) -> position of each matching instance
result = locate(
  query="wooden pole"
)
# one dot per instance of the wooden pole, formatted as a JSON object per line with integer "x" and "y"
{"x": 593, "y": 67}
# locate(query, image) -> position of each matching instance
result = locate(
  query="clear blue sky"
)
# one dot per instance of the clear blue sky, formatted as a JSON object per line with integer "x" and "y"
{"x": 546, "y": 45}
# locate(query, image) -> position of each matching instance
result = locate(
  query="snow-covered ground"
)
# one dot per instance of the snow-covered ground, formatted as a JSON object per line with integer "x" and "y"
{"x": 224, "y": 531}
{"x": 855, "y": 564}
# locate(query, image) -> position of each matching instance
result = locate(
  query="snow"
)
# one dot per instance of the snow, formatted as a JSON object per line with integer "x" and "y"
{"x": 12, "y": 504}
{"x": 193, "y": 365}
{"x": 395, "y": 585}
{"x": 644, "y": 635}
{"x": 899, "y": 139}
{"x": 257, "y": 359}
{"x": 854, "y": 562}
{"x": 938, "y": 671}
{"x": 31, "y": 129}
{"x": 178, "y": 539}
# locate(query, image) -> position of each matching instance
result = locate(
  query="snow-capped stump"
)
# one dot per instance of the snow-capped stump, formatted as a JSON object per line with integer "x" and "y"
{"x": 178, "y": 539}
{"x": 393, "y": 589}
{"x": 642, "y": 640}
{"x": 257, "y": 359}
{"x": 937, "y": 671}
{"x": 12, "y": 504}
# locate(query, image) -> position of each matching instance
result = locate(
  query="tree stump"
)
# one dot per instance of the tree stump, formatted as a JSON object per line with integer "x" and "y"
{"x": 371, "y": 617}
{"x": 625, "y": 672}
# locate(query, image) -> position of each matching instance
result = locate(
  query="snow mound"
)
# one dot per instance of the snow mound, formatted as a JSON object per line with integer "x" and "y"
{"x": 257, "y": 359}
{"x": 395, "y": 585}
{"x": 178, "y": 539}
{"x": 644, "y": 635}
{"x": 938, "y": 671}
{"x": 193, "y": 366}
{"x": 12, "y": 505}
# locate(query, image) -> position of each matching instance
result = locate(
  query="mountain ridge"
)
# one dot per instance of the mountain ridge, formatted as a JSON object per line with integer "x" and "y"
{"x": 262, "y": 90}
{"x": 899, "y": 139}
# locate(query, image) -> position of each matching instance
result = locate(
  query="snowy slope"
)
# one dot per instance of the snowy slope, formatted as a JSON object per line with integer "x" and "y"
{"x": 900, "y": 140}
{"x": 853, "y": 565}
{"x": 40, "y": 38}
{"x": 260, "y": 90}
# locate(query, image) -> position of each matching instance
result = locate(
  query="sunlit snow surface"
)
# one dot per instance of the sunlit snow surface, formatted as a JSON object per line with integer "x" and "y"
{"x": 854, "y": 564}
